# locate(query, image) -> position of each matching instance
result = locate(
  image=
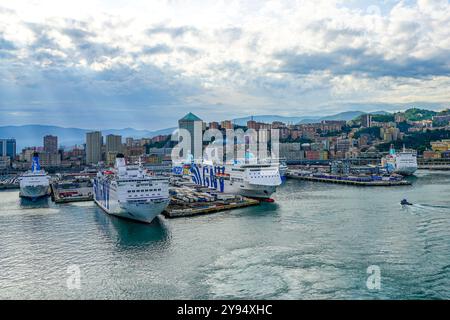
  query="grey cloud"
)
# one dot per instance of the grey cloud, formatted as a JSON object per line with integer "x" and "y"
{"x": 77, "y": 33}
{"x": 121, "y": 86}
{"x": 86, "y": 47}
{"x": 6, "y": 44}
{"x": 229, "y": 35}
{"x": 408, "y": 26}
{"x": 360, "y": 61}
{"x": 93, "y": 51}
{"x": 174, "y": 32}
{"x": 331, "y": 33}
{"x": 43, "y": 41}
{"x": 48, "y": 56}
{"x": 188, "y": 50}
{"x": 157, "y": 49}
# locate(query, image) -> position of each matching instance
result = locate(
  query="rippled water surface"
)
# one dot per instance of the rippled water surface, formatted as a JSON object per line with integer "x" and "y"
{"x": 316, "y": 241}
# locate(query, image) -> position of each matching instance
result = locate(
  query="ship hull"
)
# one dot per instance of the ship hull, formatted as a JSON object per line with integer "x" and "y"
{"x": 34, "y": 191}
{"x": 141, "y": 212}
{"x": 406, "y": 171}
{"x": 250, "y": 190}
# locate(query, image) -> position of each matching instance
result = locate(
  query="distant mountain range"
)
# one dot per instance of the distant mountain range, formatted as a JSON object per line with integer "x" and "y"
{"x": 32, "y": 135}
{"x": 344, "y": 116}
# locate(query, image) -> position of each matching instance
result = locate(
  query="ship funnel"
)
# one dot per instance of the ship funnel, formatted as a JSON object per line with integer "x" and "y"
{"x": 120, "y": 161}
{"x": 392, "y": 150}
{"x": 35, "y": 166}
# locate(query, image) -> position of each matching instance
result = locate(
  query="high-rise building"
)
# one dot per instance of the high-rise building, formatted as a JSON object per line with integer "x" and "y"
{"x": 50, "y": 159}
{"x": 113, "y": 143}
{"x": 94, "y": 141}
{"x": 113, "y": 147}
{"x": 51, "y": 144}
{"x": 343, "y": 145}
{"x": 194, "y": 125}
{"x": 8, "y": 148}
{"x": 366, "y": 120}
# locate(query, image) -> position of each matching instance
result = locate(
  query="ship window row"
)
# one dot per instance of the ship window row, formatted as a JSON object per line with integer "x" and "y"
{"x": 136, "y": 181}
{"x": 258, "y": 176}
{"x": 143, "y": 190}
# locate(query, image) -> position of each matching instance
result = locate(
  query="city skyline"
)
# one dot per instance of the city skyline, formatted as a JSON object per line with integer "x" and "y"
{"x": 147, "y": 63}
{"x": 72, "y": 136}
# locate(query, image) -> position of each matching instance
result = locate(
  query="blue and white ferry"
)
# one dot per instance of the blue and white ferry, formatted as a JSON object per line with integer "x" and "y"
{"x": 128, "y": 191}
{"x": 35, "y": 183}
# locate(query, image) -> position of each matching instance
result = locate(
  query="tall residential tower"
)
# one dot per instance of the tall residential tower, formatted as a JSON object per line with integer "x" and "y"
{"x": 113, "y": 147}
{"x": 94, "y": 142}
{"x": 51, "y": 144}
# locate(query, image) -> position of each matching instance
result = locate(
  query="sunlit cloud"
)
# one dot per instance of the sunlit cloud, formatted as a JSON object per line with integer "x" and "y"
{"x": 144, "y": 63}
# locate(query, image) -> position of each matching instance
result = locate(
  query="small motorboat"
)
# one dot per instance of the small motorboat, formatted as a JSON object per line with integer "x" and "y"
{"x": 405, "y": 202}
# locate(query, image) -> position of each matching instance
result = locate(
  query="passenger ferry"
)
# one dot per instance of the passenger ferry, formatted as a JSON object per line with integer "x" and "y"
{"x": 128, "y": 191}
{"x": 404, "y": 162}
{"x": 35, "y": 183}
{"x": 254, "y": 180}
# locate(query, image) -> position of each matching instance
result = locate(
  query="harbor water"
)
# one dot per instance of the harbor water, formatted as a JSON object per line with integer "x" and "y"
{"x": 315, "y": 242}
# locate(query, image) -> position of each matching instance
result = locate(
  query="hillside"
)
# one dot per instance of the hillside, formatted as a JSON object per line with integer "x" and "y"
{"x": 416, "y": 114}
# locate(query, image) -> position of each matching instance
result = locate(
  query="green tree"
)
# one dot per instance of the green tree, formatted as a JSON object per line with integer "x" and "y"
{"x": 383, "y": 117}
{"x": 416, "y": 114}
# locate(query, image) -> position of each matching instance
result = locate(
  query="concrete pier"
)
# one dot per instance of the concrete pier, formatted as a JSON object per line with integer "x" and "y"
{"x": 178, "y": 211}
{"x": 373, "y": 183}
{"x": 434, "y": 167}
{"x": 71, "y": 191}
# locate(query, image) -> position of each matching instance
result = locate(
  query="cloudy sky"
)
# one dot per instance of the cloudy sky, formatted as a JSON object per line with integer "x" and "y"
{"x": 143, "y": 64}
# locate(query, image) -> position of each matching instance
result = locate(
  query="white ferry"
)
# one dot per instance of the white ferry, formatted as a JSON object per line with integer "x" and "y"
{"x": 34, "y": 183}
{"x": 128, "y": 191}
{"x": 258, "y": 181}
{"x": 404, "y": 162}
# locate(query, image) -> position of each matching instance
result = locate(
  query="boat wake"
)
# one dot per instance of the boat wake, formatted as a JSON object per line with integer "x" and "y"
{"x": 423, "y": 208}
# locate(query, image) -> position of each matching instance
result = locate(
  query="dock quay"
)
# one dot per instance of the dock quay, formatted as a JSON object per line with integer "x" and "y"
{"x": 187, "y": 202}
{"x": 175, "y": 210}
{"x": 436, "y": 167}
{"x": 440, "y": 164}
{"x": 9, "y": 182}
{"x": 70, "y": 189}
{"x": 363, "y": 181}
{"x": 9, "y": 186}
